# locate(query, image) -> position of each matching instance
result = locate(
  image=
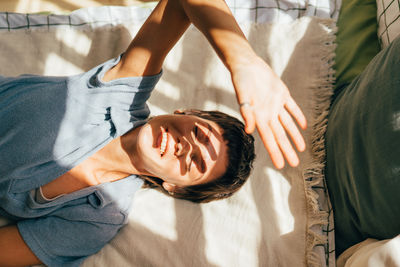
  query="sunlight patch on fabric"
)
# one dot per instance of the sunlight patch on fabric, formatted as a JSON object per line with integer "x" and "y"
{"x": 54, "y": 61}
{"x": 77, "y": 41}
{"x": 280, "y": 194}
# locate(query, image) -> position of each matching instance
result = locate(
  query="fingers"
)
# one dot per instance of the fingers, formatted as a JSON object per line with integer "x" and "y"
{"x": 271, "y": 145}
{"x": 249, "y": 118}
{"x": 276, "y": 133}
{"x": 284, "y": 143}
{"x": 291, "y": 128}
{"x": 278, "y": 145}
{"x": 274, "y": 138}
{"x": 296, "y": 112}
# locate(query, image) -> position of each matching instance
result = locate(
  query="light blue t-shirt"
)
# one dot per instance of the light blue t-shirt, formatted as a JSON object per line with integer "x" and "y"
{"x": 48, "y": 125}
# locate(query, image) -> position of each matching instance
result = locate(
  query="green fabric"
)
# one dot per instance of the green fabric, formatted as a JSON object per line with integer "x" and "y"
{"x": 363, "y": 153}
{"x": 357, "y": 40}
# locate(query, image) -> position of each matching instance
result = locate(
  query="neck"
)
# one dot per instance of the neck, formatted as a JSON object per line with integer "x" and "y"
{"x": 117, "y": 159}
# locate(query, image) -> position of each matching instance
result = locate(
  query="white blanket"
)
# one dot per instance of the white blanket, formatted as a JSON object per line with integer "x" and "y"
{"x": 275, "y": 219}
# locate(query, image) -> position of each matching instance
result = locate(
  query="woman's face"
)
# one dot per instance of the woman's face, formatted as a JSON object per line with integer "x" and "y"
{"x": 182, "y": 149}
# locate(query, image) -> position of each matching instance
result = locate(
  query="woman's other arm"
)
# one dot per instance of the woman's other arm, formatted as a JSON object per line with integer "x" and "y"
{"x": 272, "y": 110}
{"x": 157, "y": 36}
{"x": 13, "y": 250}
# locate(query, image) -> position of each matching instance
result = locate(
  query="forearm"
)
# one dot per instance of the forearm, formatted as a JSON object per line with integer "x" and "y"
{"x": 13, "y": 250}
{"x": 165, "y": 26}
{"x": 147, "y": 51}
{"x": 215, "y": 20}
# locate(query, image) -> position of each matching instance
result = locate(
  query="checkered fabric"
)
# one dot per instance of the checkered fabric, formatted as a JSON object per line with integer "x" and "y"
{"x": 388, "y": 21}
{"x": 244, "y": 10}
{"x": 326, "y": 248}
{"x": 83, "y": 18}
{"x": 282, "y": 10}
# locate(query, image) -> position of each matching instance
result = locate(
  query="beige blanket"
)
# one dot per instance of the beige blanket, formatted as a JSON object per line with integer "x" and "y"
{"x": 275, "y": 219}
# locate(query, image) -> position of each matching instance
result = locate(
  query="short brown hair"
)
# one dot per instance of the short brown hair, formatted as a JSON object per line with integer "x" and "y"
{"x": 240, "y": 161}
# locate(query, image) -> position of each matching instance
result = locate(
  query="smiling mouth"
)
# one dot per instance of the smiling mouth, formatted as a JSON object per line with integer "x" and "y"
{"x": 163, "y": 145}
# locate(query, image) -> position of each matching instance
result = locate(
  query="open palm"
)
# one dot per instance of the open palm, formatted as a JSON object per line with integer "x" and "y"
{"x": 272, "y": 110}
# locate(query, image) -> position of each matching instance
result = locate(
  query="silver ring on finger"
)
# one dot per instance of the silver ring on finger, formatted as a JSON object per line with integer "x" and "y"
{"x": 245, "y": 104}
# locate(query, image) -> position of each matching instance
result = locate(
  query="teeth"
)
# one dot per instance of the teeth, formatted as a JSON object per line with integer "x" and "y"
{"x": 163, "y": 143}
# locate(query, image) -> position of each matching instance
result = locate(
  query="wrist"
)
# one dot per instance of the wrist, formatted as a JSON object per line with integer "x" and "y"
{"x": 245, "y": 60}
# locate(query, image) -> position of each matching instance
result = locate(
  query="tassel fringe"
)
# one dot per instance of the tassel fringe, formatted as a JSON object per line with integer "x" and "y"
{"x": 314, "y": 175}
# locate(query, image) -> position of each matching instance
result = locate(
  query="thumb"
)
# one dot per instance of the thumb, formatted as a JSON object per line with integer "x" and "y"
{"x": 249, "y": 118}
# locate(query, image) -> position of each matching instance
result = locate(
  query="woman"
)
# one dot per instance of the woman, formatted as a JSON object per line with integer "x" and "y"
{"x": 68, "y": 176}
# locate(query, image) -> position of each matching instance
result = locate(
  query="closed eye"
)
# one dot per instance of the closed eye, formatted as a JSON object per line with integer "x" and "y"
{"x": 201, "y": 135}
{"x": 207, "y": 137}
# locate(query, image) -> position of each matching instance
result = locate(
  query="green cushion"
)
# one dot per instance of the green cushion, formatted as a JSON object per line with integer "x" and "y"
{"x": 363, "y": 153}
{"x": 357, "y": 40}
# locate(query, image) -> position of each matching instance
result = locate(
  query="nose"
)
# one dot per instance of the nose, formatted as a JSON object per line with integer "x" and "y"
{"x": 181, "y": 148}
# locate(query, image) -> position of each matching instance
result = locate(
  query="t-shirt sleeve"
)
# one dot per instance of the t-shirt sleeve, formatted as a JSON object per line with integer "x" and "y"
{"x": 122, "y": 100}
{"x": 66, "y": 230}
{"x": 95, "y": 77}
{"x": 60, "y": 242}
{"x": 79, "y": 225}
